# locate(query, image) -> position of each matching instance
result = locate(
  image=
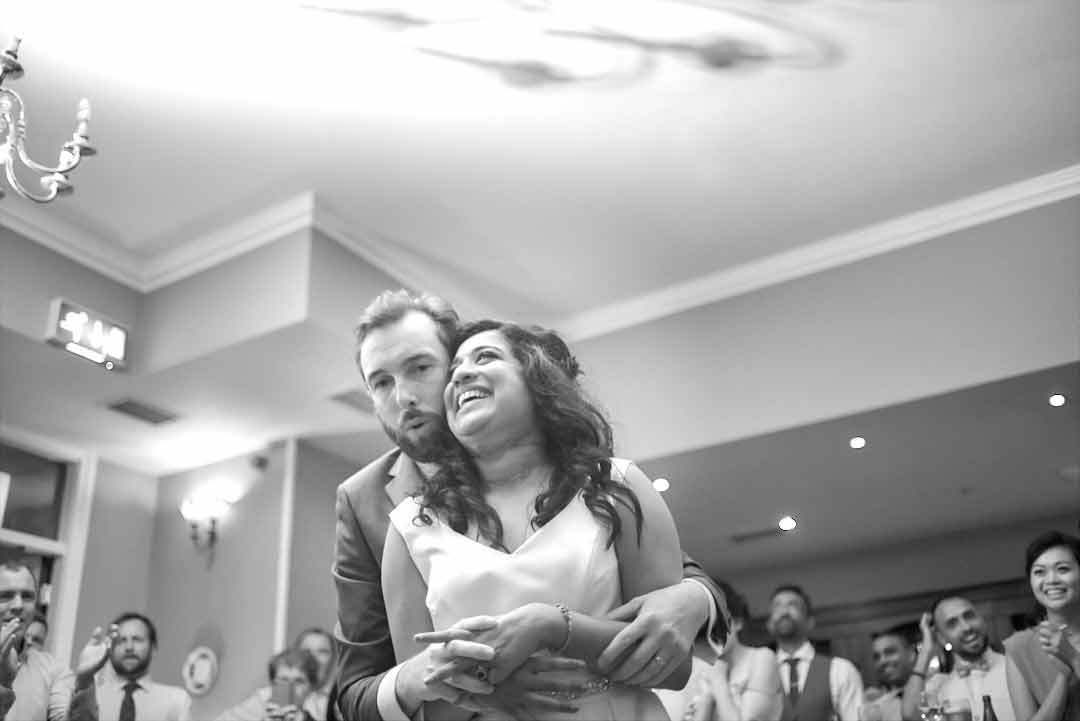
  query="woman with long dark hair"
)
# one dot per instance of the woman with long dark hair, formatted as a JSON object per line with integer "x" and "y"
{"x": 530, "y": 532}
{"x": 1042, "y": 663}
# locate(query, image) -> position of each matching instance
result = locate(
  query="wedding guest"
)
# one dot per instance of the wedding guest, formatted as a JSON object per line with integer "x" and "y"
{"x": 1043, "y": 664}
{"x": 977, "y": 669}
{"x": 816, "y": 686}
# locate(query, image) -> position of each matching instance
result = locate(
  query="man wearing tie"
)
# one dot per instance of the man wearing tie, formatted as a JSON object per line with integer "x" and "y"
{"x": 817, "y": 687}
{"x": 977, "y": 671}
{"x": 125, "y": 691}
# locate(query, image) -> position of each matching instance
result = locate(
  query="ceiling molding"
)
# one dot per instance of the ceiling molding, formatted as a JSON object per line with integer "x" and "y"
{"x": 36, "y": 223}
{"x": 304, "y": 211}
{"x": 235, "y": 239}
{"x": 398, "y": 263}
{"x": 823, "y": 255}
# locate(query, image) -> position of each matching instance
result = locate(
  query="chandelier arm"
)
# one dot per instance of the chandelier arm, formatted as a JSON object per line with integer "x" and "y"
{"x": 18, "y": 187}
{"x": 70, "y": 152}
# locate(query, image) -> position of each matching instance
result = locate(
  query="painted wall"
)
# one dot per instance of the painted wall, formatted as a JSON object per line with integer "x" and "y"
{"x": 966, "y": 559}
{"x": 312, "y": 601}
{"x": 244, "y": 297}
{"x": 116, "y": 570}
{"x": 227, "y": 604}
{"x": 31, "y": 275}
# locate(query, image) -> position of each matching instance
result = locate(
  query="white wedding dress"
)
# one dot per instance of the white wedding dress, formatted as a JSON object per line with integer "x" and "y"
{"x": 565, "y": 560}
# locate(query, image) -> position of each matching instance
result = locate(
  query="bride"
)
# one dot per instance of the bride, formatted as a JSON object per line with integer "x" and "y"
{"x": 530, "y": 532}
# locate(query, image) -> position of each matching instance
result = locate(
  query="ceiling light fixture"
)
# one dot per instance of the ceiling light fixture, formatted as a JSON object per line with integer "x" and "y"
{"x": 54, "y": 179}
{"x": 857, "y": 443}
{"x": 787, "y": 523}
{"x": 661, "y": 484}
{"x": 1057, "y": 400}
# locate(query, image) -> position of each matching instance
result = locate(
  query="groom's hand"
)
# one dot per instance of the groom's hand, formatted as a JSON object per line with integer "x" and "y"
{"x": 663, "y": 625}
{"x": 533, "y": 690}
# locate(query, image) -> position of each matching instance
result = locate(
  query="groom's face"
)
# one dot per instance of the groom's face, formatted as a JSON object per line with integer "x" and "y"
{"x": 405, "y": 366}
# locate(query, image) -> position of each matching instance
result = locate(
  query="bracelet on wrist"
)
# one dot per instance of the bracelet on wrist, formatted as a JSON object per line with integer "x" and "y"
{"x": 920, "y": 674}
{"x": 565, "y": 611}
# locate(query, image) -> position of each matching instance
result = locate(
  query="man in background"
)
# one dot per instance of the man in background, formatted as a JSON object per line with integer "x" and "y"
{"x": 817, "y": 687}
{"x": 894, "y": 656}
{"x": 125, "y": 690}
{"x": 34, "y": 686}
{"x": 978, "y": 670}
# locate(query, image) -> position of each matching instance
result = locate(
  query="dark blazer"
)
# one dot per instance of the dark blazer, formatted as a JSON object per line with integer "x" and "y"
{"x": 365, "y": 649}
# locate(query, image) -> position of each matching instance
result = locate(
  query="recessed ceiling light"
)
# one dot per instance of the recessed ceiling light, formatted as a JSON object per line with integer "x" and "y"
{"x": 857, "y": 442}
{"x": 661, "y": 484}
{"x": 1057, "y": 400}
{"x": 787, "y": 523}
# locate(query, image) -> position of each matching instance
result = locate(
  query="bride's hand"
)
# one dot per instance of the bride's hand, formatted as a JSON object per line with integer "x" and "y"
{"x": 515, "y": 636}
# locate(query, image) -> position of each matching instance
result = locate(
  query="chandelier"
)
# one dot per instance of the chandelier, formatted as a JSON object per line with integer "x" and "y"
{"x": 54, "y": 179}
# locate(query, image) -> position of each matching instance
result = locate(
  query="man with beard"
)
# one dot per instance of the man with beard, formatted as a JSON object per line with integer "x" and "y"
{"x": 125, "y": 690}
{"x": 403, "y": 355}
{"x": 34, "y": 686}
{"x": 977, "y": 671}
{"x": 894, "y": 658}
{"x": 817, "y": 687}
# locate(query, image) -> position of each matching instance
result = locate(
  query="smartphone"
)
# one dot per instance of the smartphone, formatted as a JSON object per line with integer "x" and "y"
{"x": 283, "y": 693}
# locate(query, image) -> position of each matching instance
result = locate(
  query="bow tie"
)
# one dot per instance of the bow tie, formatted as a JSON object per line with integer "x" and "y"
{"x": 964, "y": 668}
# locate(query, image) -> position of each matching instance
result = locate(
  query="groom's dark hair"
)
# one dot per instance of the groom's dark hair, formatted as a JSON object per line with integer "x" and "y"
{"x": 390, "y": 306}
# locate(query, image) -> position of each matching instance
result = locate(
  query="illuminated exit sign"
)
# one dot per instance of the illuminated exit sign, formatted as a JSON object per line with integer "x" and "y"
{"x": 87, "y": 334}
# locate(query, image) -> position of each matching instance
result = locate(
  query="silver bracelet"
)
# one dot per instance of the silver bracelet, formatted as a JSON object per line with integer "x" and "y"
{"x": 565, "y": 611}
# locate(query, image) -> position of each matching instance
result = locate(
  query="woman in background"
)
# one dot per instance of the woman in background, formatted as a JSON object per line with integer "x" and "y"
{"x": 742, "y": 683}
{"x": 1042, "y": 663}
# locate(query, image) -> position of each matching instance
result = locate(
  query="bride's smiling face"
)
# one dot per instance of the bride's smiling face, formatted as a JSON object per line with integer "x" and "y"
{"x": 487, "y": 400}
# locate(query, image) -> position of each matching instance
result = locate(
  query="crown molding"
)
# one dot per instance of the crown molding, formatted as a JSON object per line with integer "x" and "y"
{"x": 398, "y": 263}
{"x": 109, "y": 259}
{"x": 839, "y": 250}
{"x": 232, "y": 240}
{"x": 304, "y": 211}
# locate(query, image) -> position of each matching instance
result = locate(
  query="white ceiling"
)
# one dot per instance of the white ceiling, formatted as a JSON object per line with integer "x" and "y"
{"x": 594, "y": 207}
{"x": 615, "y": 190}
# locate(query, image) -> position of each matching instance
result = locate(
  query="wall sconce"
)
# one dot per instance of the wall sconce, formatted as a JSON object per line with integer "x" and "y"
{"x": 202, "y": 511}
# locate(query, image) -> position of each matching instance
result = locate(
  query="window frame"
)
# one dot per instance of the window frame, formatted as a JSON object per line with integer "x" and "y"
{"x": 69, "y": 549}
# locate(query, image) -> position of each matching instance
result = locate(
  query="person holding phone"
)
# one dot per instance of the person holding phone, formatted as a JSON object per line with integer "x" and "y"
{"x": 294, "y": 676}
{"x": 978, "y": 670}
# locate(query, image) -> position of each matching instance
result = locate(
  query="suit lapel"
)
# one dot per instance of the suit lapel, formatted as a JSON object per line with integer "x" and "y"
{"x": 407, "y": 481}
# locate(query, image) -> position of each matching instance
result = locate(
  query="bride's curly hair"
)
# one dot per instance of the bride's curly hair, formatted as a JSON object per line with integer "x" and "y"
{"x": 577, "y": 440}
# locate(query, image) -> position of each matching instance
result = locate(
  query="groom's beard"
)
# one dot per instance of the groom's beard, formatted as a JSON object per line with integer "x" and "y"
{"x": 431, "y": 445}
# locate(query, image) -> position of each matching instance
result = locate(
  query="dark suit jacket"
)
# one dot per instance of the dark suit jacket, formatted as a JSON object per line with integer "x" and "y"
{"x": 366, "y": 652}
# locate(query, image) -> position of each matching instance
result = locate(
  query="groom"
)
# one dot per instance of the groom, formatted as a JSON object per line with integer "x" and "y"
{"x": 403, "y": 355}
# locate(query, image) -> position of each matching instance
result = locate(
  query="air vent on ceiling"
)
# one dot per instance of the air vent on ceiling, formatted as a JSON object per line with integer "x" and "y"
{"x": 754, "y": 535}
{"x": 357, "y": 399}
{"x": 143, "y": 411}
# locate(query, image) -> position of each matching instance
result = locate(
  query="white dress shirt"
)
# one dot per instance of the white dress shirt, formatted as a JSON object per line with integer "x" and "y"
{"x": 972, "y": 684}
{"x": 153, "y": 701}
{"x": 845, "y": 683}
